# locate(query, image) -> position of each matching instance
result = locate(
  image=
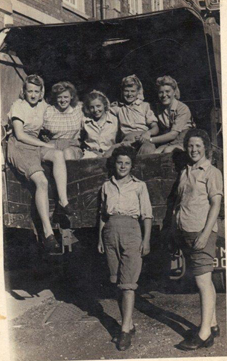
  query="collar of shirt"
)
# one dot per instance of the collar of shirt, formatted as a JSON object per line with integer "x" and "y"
{"x": 108, "y": 120}
{"x": 132, "y": 178}
{"x": 172, "y": 109}
{"x": 205, "y": 165}
{"x": 136, "y": 102}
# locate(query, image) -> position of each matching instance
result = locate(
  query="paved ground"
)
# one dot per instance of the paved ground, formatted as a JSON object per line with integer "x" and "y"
{"x": 67, "y": 311}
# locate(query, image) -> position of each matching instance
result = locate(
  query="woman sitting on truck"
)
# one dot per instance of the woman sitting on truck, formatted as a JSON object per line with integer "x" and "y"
{"x": 136, "y": 119}
{"x": 26, "y": 151}
{"x": 174, "y": 117}
{"x": 63, "y": 120}
{"x": 100, "y": 127}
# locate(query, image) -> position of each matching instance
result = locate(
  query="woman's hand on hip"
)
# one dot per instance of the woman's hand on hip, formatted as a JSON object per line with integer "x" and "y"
{"x": 200, "y": 242}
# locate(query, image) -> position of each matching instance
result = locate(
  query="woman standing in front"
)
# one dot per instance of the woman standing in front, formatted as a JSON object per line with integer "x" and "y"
{"x": 200, "y": 192}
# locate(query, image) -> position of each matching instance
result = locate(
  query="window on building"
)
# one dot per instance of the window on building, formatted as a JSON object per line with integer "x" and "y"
{"x": 135, "y": 7}
{"x": 156, "y": 5}
{"x": 76, "y": 4}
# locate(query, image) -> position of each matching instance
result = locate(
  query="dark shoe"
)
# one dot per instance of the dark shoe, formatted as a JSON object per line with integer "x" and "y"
{"x": 51, "y": 245}
{"x": 125, "y": 341}
{"x": 215, "y": 330}
{"x": 68, "y": 210}
{"x": 195, "y": 343}
{"x": 133, "y": 330}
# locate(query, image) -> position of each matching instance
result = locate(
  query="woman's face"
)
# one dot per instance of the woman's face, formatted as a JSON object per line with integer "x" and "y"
{"x": 96, "y": 109}
{"x": 123, "y": 166}
{"x": 130, "y": 93}
{"x": 166, "y": 95}
{"x": 63, "y": 100}
{"x": 196, "y": 150}
{"x": 32, "y": 94}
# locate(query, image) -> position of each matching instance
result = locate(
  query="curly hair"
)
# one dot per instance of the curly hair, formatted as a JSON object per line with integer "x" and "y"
{"x": 123, "y": 150}
{"x": 61, "y": 87}
{"x": 168, "y": 80}
{"x": 95, "y": 94}
{"x": 199, "y": 133}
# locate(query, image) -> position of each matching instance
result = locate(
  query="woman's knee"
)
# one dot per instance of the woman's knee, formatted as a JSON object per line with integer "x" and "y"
{"x": 40, "y": 180}
{"x": 72, "y": 154}
{"x": 58, "y": 155}
{"x": 147, "y": 148}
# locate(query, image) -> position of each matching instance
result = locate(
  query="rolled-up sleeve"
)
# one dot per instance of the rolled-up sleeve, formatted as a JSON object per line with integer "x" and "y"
{"x": 145, "y": 204}
{"x": 182, "y": 118}
{"x": 214, "y": 183}
{"x": 150, "y": 116}
{"x": 17, "y": 112}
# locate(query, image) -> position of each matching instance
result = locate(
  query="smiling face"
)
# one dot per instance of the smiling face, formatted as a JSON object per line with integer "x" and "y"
{"x": 130, "y": 93}
{"x": 123, "y": 166}
{"x": 166, "y": 95}
{"x": 63, "y": 100}
{"x": 32, "y": 93}
{"x": 196, "y": 150}
{"x": 96, "y": 109}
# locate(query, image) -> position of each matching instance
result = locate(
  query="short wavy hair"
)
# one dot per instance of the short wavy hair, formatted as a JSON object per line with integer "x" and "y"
{"x": 95, "y": 94}
{"x": 124, "y": 150}
{"x": 199, "y": 133}
{"x": 168, "y": 80}
{"x": 59, "y": 88}
{"x": 33, "y": 79}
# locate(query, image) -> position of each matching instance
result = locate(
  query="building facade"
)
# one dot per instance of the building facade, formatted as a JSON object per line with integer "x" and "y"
{"x": 36, "y": 12}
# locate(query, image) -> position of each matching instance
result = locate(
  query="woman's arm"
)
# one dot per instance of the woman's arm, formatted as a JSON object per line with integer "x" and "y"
{"x": 100, "y": 244}
{"x": 145, "y": 245}
{"x": 26, "y": 138}
{"x": 164, "y": 138}
{"x": 201, "y": 241}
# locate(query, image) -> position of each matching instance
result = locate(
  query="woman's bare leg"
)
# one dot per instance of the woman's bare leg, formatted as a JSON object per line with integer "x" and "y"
{"x": 128, "y": 301}
{"x": 60, "y": 173}
{"x": 72, "y": 153}
{"x": 207, "y": 299}
{"x": 41, "y": 201}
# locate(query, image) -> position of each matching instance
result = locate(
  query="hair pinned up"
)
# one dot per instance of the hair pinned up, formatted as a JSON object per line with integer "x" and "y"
{"x": 61, "y": 87}
{"x": 133, "y": 80}
{"x": 168, "y": 80}
{"x": 33, "y": 79}
{"x": 95, "y": 94}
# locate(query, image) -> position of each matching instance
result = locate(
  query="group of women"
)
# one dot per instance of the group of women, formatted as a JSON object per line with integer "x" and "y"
{"x": 94, "y": 129}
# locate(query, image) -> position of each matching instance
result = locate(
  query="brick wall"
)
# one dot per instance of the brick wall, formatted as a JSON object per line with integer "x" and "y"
{"x": 52, "y": 8}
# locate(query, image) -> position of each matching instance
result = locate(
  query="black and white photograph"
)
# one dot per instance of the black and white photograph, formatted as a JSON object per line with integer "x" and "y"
{"x": 112, "y": 150}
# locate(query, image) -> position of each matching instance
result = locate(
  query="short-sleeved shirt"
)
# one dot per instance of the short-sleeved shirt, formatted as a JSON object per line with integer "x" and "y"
{"x": 178, "y": 118}
{"x": 31, "y": 117}
{"x": 100, "y": 137}
{"x": 134, "y": 117}
{"x": 64, "y": 125}
{"x": 129, "y": 199}
{"x": 26, "y": 158}
{"x": 196, "y": 188}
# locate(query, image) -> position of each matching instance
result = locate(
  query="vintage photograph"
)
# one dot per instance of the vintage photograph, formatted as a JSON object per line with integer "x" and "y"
{"x": 113, "y": 225}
